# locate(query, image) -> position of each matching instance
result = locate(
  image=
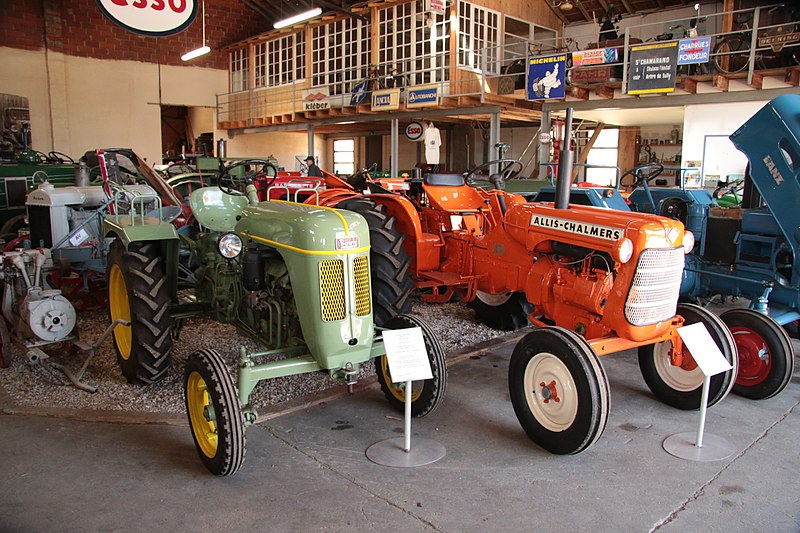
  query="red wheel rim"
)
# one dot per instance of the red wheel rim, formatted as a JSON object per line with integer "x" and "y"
{"x": 755, "y": 359}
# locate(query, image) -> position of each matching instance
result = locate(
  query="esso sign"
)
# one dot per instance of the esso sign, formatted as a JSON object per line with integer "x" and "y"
{"x": 414, "y": 131}
{"x": 150, "y": 17}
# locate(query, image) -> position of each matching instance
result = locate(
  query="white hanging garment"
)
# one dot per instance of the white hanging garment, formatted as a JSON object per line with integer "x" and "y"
{"x": 433, "y": 141}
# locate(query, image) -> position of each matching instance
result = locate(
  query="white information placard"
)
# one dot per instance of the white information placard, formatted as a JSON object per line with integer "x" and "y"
{"x": 704, "y": 350}
{"x": 406, "y": 354}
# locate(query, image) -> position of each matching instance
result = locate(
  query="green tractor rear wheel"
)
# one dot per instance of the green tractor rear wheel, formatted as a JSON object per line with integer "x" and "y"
{"x": 214, "y": 412}
{"x": 137, "y": 293}
{"x": 425, "y": 395}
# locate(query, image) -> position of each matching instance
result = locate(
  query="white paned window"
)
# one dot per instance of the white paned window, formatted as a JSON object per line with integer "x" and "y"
{"x": 603, "y": 153}
{"x": 478, "y": 38}
{"x": 340, "y": 55}
{"x": 240, "y": 71}
{"x": 344, "y": 157}
{"x": 281, "y": 61}
{"x": 414, "y": 44}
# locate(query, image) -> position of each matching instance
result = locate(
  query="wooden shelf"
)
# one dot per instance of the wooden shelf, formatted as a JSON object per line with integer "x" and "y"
{"x": 662, "y": 144}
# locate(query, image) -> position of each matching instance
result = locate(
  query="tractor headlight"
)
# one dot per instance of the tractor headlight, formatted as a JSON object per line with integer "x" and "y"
{"x": 688, "y": 241}
{"x": 229, "y": 245}
{"x": 623, "y": 251}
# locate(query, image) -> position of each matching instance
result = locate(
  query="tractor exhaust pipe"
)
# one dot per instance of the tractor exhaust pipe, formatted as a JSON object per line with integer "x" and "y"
{"x": 564, "y": 177}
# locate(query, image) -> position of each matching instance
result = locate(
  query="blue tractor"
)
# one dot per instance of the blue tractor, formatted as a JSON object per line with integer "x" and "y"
{"x": 750, "y": 251}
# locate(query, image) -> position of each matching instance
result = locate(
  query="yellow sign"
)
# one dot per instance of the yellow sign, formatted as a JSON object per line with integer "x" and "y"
{"x": 386, "y": 100}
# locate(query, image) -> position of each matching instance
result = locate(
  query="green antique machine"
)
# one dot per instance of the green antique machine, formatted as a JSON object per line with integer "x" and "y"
{"x": 294, "y": 277}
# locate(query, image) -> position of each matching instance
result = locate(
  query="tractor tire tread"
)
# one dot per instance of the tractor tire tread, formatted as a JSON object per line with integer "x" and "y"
{"x": 389, "y": 262}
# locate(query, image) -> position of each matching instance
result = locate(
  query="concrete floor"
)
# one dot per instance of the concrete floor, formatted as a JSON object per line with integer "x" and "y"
{"x": 307, "y": 470}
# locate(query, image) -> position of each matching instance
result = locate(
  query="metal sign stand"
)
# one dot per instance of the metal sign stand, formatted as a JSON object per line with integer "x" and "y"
{"x": 405, "y": 349}
{"x": 695, "y": 446}
{"x": 397, "y": 451}
{"x": 692, "y": 446}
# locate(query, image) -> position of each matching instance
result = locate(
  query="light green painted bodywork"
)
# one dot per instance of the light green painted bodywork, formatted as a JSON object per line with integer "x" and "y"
{"x": 304, "y": 236}
{"x": 134, "y": 229}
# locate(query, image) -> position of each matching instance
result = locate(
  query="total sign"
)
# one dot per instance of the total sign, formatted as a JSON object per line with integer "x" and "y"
{"x": 414, "y": 131}
{"x": 155, "y": 18}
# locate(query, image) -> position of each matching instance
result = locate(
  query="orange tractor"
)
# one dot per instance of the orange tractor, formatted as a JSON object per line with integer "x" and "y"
{"x": 595, "y": 281}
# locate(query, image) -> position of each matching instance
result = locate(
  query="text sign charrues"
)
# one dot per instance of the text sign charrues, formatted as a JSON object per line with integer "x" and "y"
{"x": 155, "y": 18}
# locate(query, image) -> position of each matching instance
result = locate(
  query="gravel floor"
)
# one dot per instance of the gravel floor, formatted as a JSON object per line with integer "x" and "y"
{"x": 43, "y": 386}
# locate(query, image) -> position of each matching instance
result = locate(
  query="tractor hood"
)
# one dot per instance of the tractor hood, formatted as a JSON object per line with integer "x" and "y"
{"x": 592, "y": 227}
{"x": 304, "y": 228}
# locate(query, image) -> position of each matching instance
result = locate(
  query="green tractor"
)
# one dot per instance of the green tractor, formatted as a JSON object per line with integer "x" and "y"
{"x": 294, "y": 277}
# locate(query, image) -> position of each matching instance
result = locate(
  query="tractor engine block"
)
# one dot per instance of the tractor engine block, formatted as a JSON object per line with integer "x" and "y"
{"x": 35, "y": 312}
{"x": 576, "y": 288}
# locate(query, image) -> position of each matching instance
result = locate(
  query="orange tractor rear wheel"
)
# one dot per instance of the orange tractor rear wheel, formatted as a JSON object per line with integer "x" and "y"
{"x": 392, "y": 283}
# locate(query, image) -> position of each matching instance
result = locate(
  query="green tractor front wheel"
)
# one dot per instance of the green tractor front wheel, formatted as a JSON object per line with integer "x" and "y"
{"x": 214, "y": 412}
{"x": 137, "y": 293}
{"x": 426, "y": 394}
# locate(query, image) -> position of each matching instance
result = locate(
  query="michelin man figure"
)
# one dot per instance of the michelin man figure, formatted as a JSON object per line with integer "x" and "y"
{"x": 550, "y": 81}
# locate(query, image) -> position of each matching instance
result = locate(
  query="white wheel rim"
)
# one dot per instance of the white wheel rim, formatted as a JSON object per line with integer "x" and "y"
{"x": 493, "y": 300}
{"x": 673, "y": 376}
{"x": 551, "y": 414}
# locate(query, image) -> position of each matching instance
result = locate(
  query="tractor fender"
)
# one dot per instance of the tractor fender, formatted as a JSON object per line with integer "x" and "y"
{"x": 417, "y": 245}
{"x": 332, "y": 197}
{"x": 153, "y": 230}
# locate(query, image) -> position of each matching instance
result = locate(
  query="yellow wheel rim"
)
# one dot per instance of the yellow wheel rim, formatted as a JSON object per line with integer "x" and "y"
{"x": 399, "y": 389}
{"x": 199, "y": 405}
{"x": 119, "y": 308}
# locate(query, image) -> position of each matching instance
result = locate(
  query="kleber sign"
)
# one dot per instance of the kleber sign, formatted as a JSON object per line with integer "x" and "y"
{"x": 422, "y": 95}
{"x": 155, "y": 18}
{"x": 315, "y": 99}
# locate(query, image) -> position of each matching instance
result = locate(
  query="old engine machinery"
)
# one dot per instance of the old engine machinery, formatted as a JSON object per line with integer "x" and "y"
{"x": 39, "y": 316}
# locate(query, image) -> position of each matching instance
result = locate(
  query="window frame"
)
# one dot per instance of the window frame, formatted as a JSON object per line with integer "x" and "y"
{"x": 419, "y": 51}
{"x": 601, "y": 175}
{"x": 340, "y": 54}
{"x": 478, "y": 29}
{"x": 287, "y": 53}
{"x": 239, "y": 64}
{"x": 349, "y": 165}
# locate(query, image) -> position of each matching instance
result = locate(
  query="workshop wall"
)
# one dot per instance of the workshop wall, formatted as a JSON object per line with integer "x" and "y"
{"x": 91, "y": 83}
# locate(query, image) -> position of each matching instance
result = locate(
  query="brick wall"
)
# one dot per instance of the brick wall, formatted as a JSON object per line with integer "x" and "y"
{"x": 78, "y": 28}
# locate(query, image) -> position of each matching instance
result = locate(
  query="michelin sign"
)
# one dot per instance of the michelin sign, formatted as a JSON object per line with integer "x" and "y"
{"x": 422, "y": 96}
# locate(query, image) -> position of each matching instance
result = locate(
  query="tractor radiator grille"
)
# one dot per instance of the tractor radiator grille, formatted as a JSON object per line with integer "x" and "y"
{"x": 653, "y": 296}
{"x": 361, "y": 277}
{"x": 331, "y": 282}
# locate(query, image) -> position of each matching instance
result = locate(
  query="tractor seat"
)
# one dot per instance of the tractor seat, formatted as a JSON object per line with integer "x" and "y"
{"x": 444, "y": 180}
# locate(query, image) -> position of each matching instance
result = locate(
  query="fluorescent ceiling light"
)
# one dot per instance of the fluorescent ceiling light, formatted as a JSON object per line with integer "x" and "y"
{"x": 300, "y": 17}
{"x": 203, "y": 50}
{"x": 196, "y": 53}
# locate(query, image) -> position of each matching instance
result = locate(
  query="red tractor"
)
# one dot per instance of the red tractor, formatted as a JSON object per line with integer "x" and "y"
{"x": 595, "y": 281}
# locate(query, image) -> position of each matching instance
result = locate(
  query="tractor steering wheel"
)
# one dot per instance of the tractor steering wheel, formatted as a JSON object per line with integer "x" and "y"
{"x": 234, "y": 178}
{"x": 511, "y": 171}
{"x": 360, "y": 179}
{"x": 60, "y": 157}
{"x": 643, "y": 173}
{"x": 734, "y": 187}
